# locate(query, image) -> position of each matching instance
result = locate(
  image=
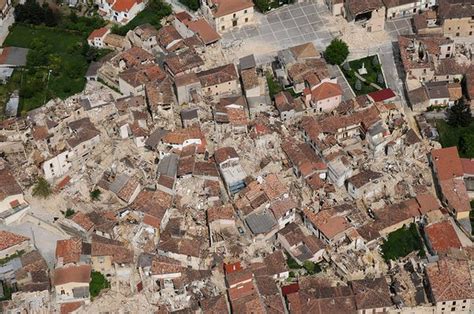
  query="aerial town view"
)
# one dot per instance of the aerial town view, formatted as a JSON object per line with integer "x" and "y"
{"x": 237, "y": 156}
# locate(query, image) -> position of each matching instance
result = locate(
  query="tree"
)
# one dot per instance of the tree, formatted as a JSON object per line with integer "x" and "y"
{"x": 191, "y": 4}
{"x": 42, "y": 188}
{"x": 336, "y": 52}
{"x": 98, "y": 283}
{"x": 262, "y": 5}
{"x": 459, "y": 115}
{"x": 380, "y": 79}
{"x": 311, "y": 267}
{"x": 95, "y": 194}
{"x": 462, "y": 146}
{"x": 375, "y": 60}
{"x": 358, "y": 85}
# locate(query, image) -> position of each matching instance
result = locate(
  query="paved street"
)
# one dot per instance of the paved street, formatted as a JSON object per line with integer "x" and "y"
{"x": 401, "y": 26}
{"x": 346, "y": 89}
{"x": 288, "y": 26}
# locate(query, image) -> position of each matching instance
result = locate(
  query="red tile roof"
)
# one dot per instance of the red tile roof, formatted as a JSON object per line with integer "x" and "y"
{"x": 291, "y": 288}
{"x": 468, "y": 166}
{"x": 67, "y": 308}
{"x": 125, "y": 5}
{"x": 79, "y": 274}
{"x": 226, "y": 7}
{"x": 442, "y": 236}
{"x": 447, "y": 163}
{"x": 69, "y": 250}
{"x": 450, "y": 280}
{"x": 326, "y": 90}
{"x": 201, "y": 27}
{"x": 229, "y": 268}
{"x": 98, "y": 33}
{"x": 382, "y": 95}
{"x": 9, "y": 239}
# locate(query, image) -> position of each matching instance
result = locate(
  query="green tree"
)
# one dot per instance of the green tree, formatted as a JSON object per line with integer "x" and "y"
{"x": 358, "y": 85}
{"x": 311, "y": 267}
{"x": 262, "y": 5}
{"x": 98, "y": 283}
{"x": 42, "y": 188}
{"x": 336, "y": 52}
{"x": 375, "y": 61}
{"x": 380, "y": 79}
{"x": 95, "y": 194}
{"x": 191, "y": 4}
{"x": 462, "y": 146}
{"x": 459, "y": 115}
{"x": 346, "y": 66}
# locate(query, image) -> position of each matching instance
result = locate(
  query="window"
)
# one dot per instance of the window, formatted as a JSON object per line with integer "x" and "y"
{"x": 234, "y": 15}
{"x": 470, "y": 33}
{"x": 449, "y": 48}
{"x": 223, "y": 27}
{"x": 245, "y": 11}
{"x": 453, "y": 309}
{"x": 246, "y": 19}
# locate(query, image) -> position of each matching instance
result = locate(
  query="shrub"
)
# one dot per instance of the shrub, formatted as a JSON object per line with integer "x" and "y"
{"x": 42, "y": 188}
{"x": 311, "y": 267}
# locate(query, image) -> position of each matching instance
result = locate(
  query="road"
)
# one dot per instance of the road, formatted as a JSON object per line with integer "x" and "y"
{"x": 5, "y": 26}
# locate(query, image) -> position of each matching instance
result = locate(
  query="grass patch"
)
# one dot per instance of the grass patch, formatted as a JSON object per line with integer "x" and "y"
{"x": 373, "y": 70}
{"x": 5, "y": 260}
{"x": 402, "y": 242}
{"x": 155, "y": 11}
{"x": 451, "y": 136}
{"x": 274, "y": 86}
{"x": 97, "y": 284}
{"x": 50, "y": 49}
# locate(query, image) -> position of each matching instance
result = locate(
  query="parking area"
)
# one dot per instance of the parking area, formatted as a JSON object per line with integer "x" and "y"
{"x": 288, "y": 26}
{"x": 401, "y": 26}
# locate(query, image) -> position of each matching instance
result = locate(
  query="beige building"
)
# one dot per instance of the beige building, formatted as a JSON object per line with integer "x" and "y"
{"x": 220, "y": 81}
{"x": 450, "y": 282}
{"x": 12, "y": 203}
{"x": 225, "y": 15}
{"x": 370, "y": 14}
{"x": 403, "y": 8}
{"x": 72, "y": 283}
{"x": 456, "y": 18}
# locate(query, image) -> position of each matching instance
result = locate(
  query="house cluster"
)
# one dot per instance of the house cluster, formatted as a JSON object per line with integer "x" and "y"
{"x": 436, "y": 60}
{"x": 447, "y": 17}
{"x": 189, "y": 186}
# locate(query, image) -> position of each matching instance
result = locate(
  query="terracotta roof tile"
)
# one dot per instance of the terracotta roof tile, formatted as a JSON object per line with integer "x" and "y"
{"x": 9, "y": 239}
{"x": 442, "y": 236}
